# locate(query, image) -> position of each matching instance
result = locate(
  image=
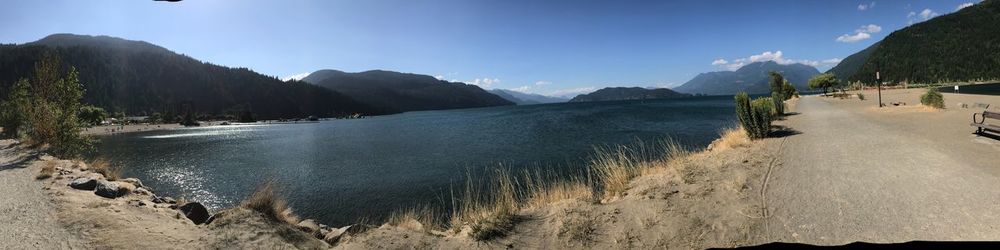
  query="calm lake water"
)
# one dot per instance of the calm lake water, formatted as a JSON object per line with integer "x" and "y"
{"x": 338, "y": 171}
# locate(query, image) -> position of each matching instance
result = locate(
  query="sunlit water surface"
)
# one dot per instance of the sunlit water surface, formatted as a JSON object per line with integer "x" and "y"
{"x": 339, "y": 171}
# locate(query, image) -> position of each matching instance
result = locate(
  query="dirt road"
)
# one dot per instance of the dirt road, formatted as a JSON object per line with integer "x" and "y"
{"x": 850, "y": 175}
{"x": 27, "y": 213}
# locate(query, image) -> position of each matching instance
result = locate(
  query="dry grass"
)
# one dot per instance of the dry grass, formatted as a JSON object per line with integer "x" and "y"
{"x": 616, "y": 167}
{"x": 47, "y": 171}
{"x": 488, "y": 206}
{"x": 417, "y": 219}
{"x": 104, "y": 167}
{"x": 488, "y": 214}
{"x": 734, "y": 137}
{"x": 267, "y": 202}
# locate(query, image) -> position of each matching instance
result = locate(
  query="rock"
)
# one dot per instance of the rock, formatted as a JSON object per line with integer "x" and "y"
{"x": 309, "y": 226}
{"x": 196, "y": 212}
{"x": 83, "y": 183}
{"x": 125, "y": 188}
{"x": 159, "y": 199}
{"x": 133, "y": 181}
{"x": 337, "y": 233}
{"x": 108, "y": 189}
{"x": 141, "y": 191}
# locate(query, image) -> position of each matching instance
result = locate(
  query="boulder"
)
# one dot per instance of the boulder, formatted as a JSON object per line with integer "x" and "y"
{"x": 309, "y": 226}
{"x": 135, "y": 182}
{"x": 83, "y": 183}
{"x": 196, "y": 212}
{"x": 108, "y": 189}
{"x": 141, "y": 191}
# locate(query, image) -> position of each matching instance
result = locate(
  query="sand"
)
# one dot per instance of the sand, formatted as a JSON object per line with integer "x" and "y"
{"x": 114, "y": 129}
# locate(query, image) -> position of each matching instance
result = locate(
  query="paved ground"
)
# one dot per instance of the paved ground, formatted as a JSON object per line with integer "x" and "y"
{"x": 27, "y": 214}
{"x": 848, "y": 177}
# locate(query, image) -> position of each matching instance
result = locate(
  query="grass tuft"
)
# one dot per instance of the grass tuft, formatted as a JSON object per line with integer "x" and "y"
{"x": 104, "y": 167}
{"x": 417, "y": 219}
{"x": 47, "y": 171}
{"x": 615, "y": 167}
{"x": 734, "y": 137}
{"x": 267, "y": 202}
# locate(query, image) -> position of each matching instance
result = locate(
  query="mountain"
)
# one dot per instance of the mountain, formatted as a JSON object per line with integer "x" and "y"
{"x": 752, "y": 78}
{"x": 401, "y": 92}
{"x": 623, "y": 93}
{"x": 850, "y": 65}
{"x": 961, "y": 46}
{"x": 525, "y": 98}
{"x": 141, "y": 78}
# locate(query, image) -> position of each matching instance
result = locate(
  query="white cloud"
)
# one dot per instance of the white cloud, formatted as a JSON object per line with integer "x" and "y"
{"x": 439, "y": 77}
{"x": 719, "y": 61}
{"x": 572, "y": 91}
{"x": 297, "y": 77}
{"x": 864, "y": 7}
{"x": 871, "y": 28}
{"x": 962, "y": 6}
{"x": 539, "y": 83}
{"x": 928, "y": 14}
{"x": 522, "y": 89}
{"x": 924, "y": 15}
{"x": 767, "y": 56}
{"x": 776, "y": 56}
{"x": 831, "y": 61}
{"x": 484, "y": 83}
{"x": 853, "y": 38}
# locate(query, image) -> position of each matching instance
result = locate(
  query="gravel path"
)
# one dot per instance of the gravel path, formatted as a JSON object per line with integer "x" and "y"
{"x": 847, "y": 178}
{"x": 27, "y": 213}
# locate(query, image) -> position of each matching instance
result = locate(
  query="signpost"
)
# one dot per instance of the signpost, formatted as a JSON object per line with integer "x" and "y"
{"x": 878, "y": 81}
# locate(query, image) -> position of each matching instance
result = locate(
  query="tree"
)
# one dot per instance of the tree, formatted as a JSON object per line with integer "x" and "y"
{"x": 823, "y": 81}
{"x": 45, "y": 109}
{"x": 92, "y": 115}
{"x": 13, "y": 112}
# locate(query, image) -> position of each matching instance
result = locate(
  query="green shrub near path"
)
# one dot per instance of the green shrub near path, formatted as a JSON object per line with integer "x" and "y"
{"x": 932, "y": 98}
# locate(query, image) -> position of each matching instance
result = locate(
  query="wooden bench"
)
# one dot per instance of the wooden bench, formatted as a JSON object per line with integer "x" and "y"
{"x": 982, "y": 126}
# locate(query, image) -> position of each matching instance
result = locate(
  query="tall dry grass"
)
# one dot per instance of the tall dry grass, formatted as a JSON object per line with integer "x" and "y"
{"x": 104, "y": 167}
{"x": 265, "y": 200}
{"x": 729, "y": 138}
{"x": 47, "y": 171}
{"x": 488, "y": 206}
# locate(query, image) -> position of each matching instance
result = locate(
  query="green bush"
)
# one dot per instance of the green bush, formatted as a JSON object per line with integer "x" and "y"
{"x": 789, "y": 91}
{"x": 861, "y": 96}
{"x": 779, "y": 103}
{"x": 932, "y": 98}
{"x": 755, "y": 116}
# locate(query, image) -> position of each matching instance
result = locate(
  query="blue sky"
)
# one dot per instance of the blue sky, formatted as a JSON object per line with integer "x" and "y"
{"x": 546, "y": 47}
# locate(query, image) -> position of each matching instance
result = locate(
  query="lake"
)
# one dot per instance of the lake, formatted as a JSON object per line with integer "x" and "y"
{"x": 338, "y": 171}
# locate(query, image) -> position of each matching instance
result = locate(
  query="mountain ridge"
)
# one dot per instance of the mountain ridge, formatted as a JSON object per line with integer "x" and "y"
{"x": 751, "y": 78}
{"x": 627, "y": 93}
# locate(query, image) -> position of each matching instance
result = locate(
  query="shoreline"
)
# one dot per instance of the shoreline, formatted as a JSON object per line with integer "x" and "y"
{"x": 112, "y": 215}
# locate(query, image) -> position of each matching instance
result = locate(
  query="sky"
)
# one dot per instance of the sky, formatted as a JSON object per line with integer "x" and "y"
{"x": 558, "y": 48}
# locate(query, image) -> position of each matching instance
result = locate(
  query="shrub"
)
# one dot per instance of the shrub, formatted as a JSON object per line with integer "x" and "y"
{"x": 789, "y": 91}
{"x": 762, "y": 110}
{"x": 756, "y": 116}
{"x": 47, "y": 171}
{"x": 779, "y": 102}
{"x": 861, "y": 96}
{"x": 932, "y": 98}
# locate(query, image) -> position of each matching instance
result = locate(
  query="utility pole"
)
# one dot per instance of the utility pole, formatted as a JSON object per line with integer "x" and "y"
{"x": 878, "y": 81}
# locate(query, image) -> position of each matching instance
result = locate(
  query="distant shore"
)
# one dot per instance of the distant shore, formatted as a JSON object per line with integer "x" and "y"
{"x": 132, "y": 128}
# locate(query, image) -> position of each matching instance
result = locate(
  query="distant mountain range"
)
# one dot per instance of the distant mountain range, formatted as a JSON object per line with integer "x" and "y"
{"x": 623, "y": 93}
{"x": 961, "y": 46}
{"x": 141, "y": 78}
{"x": 752, "y": 78}
{"x": 401, "y": 92}
{"x": 525, "y": 98}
